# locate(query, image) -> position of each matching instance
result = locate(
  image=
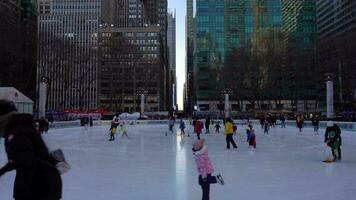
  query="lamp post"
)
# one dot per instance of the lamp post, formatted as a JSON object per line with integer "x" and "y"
{"x": 329, "y": 95}
{"x": 142, "y": 93}
{"x": 42, "y": 97}
{"x": 226, "y": 92}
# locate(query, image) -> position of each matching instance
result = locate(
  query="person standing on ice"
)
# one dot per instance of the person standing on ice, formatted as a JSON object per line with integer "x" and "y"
{"x": 113, "y": 129}
{"x": 251, "y": 136}
{"x": 198, "y": 125}
{"x": 123, "y": 130}
{"x": 171, "y": 124}
{"x": 315, "y": 122}
{"x": 300, "y": 122}
{"x": 333, "y": 139}
{"x": 205, "y": 168}
{"x": 266, "y": 126}
{"x": 182, "y": 126}
{"x": 207, "y": 124}
{"x": 229, "y": 131}
{"x": 37, "y": 176}
{"x": 217, "y": 127}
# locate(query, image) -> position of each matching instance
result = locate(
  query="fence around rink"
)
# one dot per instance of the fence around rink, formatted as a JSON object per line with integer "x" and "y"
{"x": 346, "y": 126}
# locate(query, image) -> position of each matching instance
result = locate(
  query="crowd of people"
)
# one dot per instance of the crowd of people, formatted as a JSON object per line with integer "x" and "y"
{"x": 38, "y": 171}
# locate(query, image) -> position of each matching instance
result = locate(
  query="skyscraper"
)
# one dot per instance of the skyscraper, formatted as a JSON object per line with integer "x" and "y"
{"x": 18, "y": 44}
{"x": 133, "y": 55}
{"x": 68, "y": 42}
{"x": 189, "y": 97}
{"x": 336, "y": 29}
{"x": 171, "y": 42}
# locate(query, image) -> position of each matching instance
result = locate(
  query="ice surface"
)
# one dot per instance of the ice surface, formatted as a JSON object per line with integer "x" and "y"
{"x": 150, "y": 165}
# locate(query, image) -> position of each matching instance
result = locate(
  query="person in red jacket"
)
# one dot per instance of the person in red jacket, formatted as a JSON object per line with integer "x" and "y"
{"x": 198, "y": 128}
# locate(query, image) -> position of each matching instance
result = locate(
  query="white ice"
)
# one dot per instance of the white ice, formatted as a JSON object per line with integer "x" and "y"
{"x": 150, "y": 165}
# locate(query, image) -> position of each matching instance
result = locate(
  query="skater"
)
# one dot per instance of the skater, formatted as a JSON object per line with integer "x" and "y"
{"x": 315, "y": 121}
{"x": 207, "y": 124}
{"x": 37, "y": 176}
{"x": 123, "y": 130}
{"x": 266, "y": 127}
{"x": 300, "y": 122}
{"x": 205, "y": 168}
{"x": 283, "y": 121}
{"x": 262, "y": 122}
{"x": 198, "y": 128}
{"x": 113, "y": 129}
{"x": 217, "y": 127}
{"x": 182, "y": 127}
{"x": 171, "y": 124}
{"x": 333, "y": 139}
{"x": 229, "y": 131}
{"x": 43, "y": 125}
{"x": 251, "y": 136}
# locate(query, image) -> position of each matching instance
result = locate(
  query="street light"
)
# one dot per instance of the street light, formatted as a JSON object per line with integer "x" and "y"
{"x": 142, "y": 93}
{"x": 226, "y": 92}
{"x": 42, "y": 97}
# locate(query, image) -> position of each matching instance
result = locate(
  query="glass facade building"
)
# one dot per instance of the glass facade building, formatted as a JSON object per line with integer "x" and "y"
{"x": 257, "y": 48}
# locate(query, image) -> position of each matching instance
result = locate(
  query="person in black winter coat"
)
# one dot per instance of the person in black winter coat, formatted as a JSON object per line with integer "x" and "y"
{"x": 36, "y": 175}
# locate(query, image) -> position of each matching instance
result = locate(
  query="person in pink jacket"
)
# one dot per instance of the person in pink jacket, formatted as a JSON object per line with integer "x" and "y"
{"x": 205, "y": 168}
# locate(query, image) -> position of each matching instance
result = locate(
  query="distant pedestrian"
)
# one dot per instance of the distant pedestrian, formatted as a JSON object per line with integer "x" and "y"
{"x": 300, "y": 122}
{"x": 283, "y": 121}
{"x": 207, "y": 124}
{"x": 43, "y": 125}
{"x": 266, "y": 126}
{"x": 251, "y": 136}
{"x": 198, "y": 125}
{"x": 217, "y": 127}
{"x": 315, "y": 121}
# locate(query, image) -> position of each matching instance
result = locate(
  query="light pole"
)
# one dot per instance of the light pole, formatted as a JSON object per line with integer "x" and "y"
{"x": 42, "y": 97}
{"x": 329, "y": 95}
{"x": 226, "y": 92}
{"x": 142, "y": 93}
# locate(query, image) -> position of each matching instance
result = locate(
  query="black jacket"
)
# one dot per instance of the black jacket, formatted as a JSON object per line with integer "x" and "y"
{"x": 36, "y": 175}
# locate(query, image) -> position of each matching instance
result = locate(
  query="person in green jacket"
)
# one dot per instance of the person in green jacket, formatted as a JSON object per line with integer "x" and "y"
{"x": 229, "y": 131}
{"x": 333, "y": 139}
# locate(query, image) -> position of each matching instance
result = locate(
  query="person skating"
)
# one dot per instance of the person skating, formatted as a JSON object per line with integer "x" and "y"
{"x": 315, "y": 122}
{"x": 123, "y": 130}
{"x": 207, "y": 125}
{"x": 283, "y": 121}
{"x": 171, "y": 124}
{"x": 37, "y": 177}
{"x": 333, "y": 139}
{"x": 182, "y": 127}
{"x": 198, "y": 125}
{"x": 205, "y": 168}
{"x": 251, "y": 136}
{"x": 266, "y": 127}
{"x": 300, "y": 122}
{"x": 217, "y": 127}
{"x": 113, "y": 129}
{"x": 229, "y": 131}
{"x": 43, "y": 125}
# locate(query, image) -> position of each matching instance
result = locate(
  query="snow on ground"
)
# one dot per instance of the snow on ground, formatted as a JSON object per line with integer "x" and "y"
{"x": 150, "y": 165}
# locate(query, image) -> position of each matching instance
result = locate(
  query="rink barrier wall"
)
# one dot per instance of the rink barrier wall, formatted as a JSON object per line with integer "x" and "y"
{"x": 347, "y": 126}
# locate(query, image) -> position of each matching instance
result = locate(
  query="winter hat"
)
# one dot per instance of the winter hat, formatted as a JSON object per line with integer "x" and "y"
{"x": 7, "y": 110}
{"x": 198, "y": 144}
{"x": 330, "y": 124}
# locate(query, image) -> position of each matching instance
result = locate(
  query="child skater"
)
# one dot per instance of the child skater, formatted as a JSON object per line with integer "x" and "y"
{"x": 251, "y": 136}
{"x": 123, "y": 130}
{"x": 112, "y": 131}
{"x": 217, "y": 127}
{"x": 205, "y": 168}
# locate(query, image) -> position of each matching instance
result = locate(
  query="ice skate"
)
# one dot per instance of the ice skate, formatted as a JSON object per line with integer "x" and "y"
{"x": 220, "y": 179}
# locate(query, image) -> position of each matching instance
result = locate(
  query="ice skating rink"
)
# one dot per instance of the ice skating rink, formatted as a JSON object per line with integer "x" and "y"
{"x": 150, "y": 165}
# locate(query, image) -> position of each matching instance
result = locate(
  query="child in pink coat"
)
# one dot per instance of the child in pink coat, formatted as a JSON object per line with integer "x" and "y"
{"x": 205, "y": 168}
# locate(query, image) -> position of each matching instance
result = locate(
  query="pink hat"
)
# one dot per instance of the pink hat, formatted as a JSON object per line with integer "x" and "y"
{"x": 198, "y": 144}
